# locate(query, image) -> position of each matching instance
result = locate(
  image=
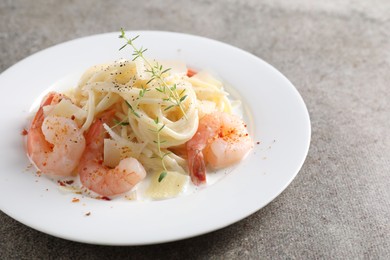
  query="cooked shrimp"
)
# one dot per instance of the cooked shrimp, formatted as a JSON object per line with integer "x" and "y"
{"x": 221, "y": 140}
{"x": 100, "y": 178}
{"x": 55, "y": 144}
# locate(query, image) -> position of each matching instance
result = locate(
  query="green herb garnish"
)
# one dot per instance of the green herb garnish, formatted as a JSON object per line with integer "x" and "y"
{"x": 117, "y": 122}
{"x": 158, "y": 142}
{"x": 132, "y": 109}
{"x": 157, "y": 71}
{"x": 162, "y": 176}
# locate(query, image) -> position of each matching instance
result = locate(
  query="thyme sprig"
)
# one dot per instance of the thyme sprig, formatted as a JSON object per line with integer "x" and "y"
{"x": 117, "y": 122}
{"x": 161, "y": 155}
{"x": 142, "y": 92}
{"x": 132, "y": 109}
{"x": 157, "y": 74}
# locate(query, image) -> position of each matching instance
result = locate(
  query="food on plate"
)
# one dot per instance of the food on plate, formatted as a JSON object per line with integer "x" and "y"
{"x": 138, "y": 121}
{"x": 55, "y": 144}
{"x": 221, "y": 140}
{"x": 100, "y": 178}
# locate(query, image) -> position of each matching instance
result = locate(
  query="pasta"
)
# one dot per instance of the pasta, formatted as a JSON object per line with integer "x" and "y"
{"x": 125, "y": 86}
{"x": 129, "y": 119}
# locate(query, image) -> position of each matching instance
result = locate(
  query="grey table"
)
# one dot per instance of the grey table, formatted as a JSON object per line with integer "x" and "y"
{"x": 337, "y": 54}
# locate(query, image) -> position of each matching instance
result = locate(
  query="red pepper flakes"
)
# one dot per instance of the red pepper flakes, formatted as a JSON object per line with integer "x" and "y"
{"x": 69, "y": 182}
{"x": 72, "y": 117}
{"x": 190, "y": 72}
{"x": 104, "y": 198}
{"x": 61, "y": 183}
{"x": 75, "y": 200}
{"x": 24, "y": 132}
{"x": 257, "y": 142}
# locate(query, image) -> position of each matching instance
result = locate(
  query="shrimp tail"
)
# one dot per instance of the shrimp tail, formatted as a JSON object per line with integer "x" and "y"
{"x": 197, "y": 166}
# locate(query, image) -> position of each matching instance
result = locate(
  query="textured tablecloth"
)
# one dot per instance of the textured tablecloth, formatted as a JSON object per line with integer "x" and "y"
{"x": 336, "y": 53}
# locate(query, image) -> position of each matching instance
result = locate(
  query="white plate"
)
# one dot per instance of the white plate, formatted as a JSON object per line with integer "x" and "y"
{"x": 275, "y": 113}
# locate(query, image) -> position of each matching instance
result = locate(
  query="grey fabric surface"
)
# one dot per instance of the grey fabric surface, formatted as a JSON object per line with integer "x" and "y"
{"x": 336, "y": 53}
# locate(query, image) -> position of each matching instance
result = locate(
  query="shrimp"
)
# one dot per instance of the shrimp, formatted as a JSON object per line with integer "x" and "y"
{"x": 100, "y": 178}
{"x": 221, "y": 140}
{"x": 55, "y": 144}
